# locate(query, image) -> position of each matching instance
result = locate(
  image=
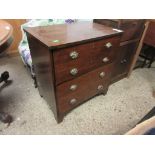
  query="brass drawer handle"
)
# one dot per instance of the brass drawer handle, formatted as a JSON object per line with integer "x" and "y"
{"x": 106, "y": 59}
{"x": 74, "y": 71}
{"x": 74, "y": 55}
{"x": 73, "y": 87}
{"x": 108, "y": 45}
{"x": 102, "y": 74}
{"x": 123, "y": 61}
{"x": 73, "y": 101}
{"x": 100, "y": 87}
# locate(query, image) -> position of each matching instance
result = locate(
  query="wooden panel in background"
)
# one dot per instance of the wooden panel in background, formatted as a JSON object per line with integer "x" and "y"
{"x": 17, "y": 34}
{"x": 138, "y": 49}
{"x": 150, "y": 34}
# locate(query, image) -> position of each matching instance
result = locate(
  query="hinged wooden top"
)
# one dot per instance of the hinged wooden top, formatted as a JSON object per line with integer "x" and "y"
{"x": 63, "y": 35}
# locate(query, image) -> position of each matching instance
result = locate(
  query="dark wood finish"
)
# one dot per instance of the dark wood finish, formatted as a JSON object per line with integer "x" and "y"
{"x": 124, "y": 60}
{"x": 43, "y": 66}
{"x": 150, "y": 34}
{"x": 52, "y": 62}
{"x": 87, "y": 86}
{"x": 148, "y": 49}
{"x": 135, "y": 58}
{"x": 87, "y": 59}
{"x": 133, "y": 29}
{"x": 65, "y": 35}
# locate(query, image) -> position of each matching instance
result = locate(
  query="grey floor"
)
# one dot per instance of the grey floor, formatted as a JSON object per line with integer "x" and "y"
{"x": 125, "y": 104}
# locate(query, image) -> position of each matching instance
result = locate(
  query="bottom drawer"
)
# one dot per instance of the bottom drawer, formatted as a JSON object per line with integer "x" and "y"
{"x": 72, "y": 93}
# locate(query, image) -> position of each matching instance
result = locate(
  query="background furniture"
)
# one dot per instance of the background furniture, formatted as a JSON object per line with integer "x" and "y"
{"x": 133, "y": 30}
{"x": 148, "y": 50}
{"x": 5, "y": 41}
{"x": 17, "y": 35}
{"x": 73, "y": 62}
{"x": 146, "y": 127}
{"x": 150, "y": 34}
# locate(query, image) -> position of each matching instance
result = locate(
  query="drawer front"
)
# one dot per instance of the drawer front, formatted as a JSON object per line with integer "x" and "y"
{"x": 132, "y": 29}
{"x": 75, "y": 61}
{"x": 125, "y": 58}
{"x": 72, "y": 93}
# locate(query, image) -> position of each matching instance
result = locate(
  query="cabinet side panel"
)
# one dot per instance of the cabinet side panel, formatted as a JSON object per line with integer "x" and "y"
{"x": 43, "y": 66}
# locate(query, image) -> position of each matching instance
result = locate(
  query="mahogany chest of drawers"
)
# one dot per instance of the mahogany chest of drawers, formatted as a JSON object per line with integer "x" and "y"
{"x": 73, "y": 62}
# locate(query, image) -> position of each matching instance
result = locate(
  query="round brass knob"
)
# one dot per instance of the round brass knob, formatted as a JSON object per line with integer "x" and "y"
{"x": 102, "y": 74}
{"x": 123, "y": 61}
{"x": 74, "y": 71}
{"x": 106, "y": 59}
{"x": 100, "y": 87}
{"x": 108, "y": 45}
{"x": 74, "y": 55}
{"x": 73, "y": 87}
{"x": 73, "y": 101}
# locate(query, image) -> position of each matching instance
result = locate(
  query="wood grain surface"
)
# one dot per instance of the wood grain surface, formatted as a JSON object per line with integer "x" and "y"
{"x": 6, "y": 31}
{"x": 87, "y": 87}
{"x": 17, "y": 35}
{"x": 64, "y": 35}
{"x": 90, "y": 56}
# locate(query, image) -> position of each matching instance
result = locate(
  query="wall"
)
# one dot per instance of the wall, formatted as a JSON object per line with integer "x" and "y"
{"x": 17, "y": 35}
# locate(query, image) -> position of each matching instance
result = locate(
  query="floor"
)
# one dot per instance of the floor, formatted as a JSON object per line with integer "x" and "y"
{"x": 126, "y": 102}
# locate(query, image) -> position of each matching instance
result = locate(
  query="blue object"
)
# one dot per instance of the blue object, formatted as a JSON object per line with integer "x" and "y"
{"x": 150, "y": 132}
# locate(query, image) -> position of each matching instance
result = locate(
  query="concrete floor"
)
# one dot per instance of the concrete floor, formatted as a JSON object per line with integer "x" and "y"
{"x": 126, "y": 102}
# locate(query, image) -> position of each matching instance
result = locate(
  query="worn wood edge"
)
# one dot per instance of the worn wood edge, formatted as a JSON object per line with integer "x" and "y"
{"x": 143, "y": 127}
{"x": 68, "y": 45}
{"x": 138, "y": 49}
{"x": 74, "y": 43}
{"x": 128, "y": 42}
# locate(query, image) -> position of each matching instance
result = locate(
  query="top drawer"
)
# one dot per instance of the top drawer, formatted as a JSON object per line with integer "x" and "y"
{"x": 75, "y": 61}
